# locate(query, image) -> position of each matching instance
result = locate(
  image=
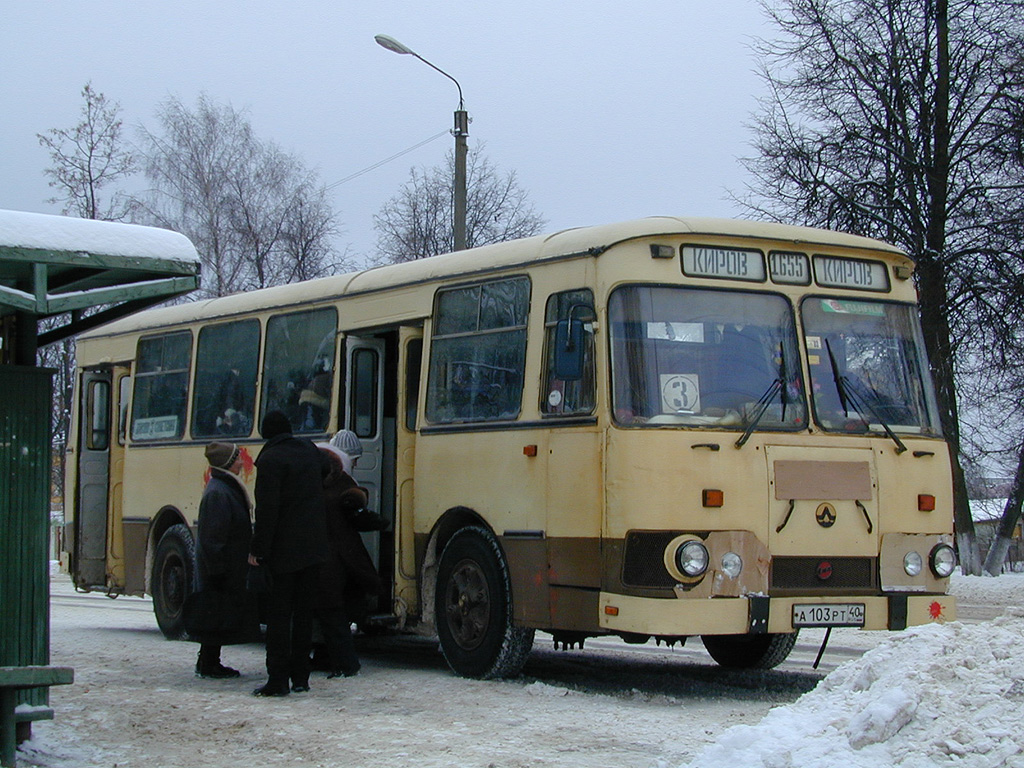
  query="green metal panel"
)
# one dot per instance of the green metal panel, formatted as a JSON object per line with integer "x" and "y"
{"x": 25, "y": 399}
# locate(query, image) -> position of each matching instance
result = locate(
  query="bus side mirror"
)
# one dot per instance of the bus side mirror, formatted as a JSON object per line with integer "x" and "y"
{"x": 569, "y": 350}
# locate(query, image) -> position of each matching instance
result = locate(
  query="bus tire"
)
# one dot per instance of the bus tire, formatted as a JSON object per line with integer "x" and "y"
{"x": 750, "y": 651}
{"x": 473, "y": 609}
{"x": 172, "y": 579}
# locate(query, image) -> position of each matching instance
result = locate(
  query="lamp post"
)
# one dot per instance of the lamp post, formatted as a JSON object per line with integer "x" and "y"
{"x": 461, "y": 132}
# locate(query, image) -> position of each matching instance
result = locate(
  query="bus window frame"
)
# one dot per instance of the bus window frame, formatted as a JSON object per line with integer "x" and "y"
{"x": 254, "y": 392}
{"x": 547, "y": 372}
{"x": 431, "y": 406}
{"x": 264, "y": 406}
{"x": 140, "y": 376}
{"x": 926, "y": 383}
{"x": 765, "y": 288}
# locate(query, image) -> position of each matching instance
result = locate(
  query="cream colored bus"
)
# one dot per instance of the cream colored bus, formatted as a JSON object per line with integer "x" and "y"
{"x": 663, "y": 428}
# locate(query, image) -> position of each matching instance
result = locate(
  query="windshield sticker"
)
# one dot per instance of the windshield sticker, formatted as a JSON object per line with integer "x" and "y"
{"x": 680, "y": 393}
{"x": 839, "y": 307}
{"x": 689, "y": 332}
{"x": 814, "y": 342}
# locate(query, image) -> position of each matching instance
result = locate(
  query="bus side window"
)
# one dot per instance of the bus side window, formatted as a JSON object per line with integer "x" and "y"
{"x": 568, "y": 322}
{"x": 298, "y": 369}
{"x": 413, "y": 364}
{"x": 225, "y": 391}
{"x": 478, "y": 352}
{"x": 124, "y": 389}
{"x": 98, "y": 416}
{"x": 161, "y": 387}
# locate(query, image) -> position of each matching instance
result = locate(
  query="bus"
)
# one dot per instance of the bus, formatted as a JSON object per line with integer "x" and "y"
{"x": 658, "y": 429}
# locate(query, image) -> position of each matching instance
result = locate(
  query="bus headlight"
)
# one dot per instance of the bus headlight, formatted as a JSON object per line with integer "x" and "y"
{"x": 912, "y": 563}
{"x": 732, "y": 564}
{"x": 692, "y": 558}
{"x": 942, "y": 560}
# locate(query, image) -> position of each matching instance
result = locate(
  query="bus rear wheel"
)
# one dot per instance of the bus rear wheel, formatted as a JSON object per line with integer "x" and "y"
{"x": 171, "y": 579}
{"x": 750, "y": 651}
{"x": 473, "y": 609}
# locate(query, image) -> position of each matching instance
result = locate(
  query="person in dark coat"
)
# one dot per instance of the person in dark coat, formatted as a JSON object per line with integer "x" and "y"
{"x": 349, "y": 575}
{"x": 224, "y": 535}
{"x": 290, "y": 539}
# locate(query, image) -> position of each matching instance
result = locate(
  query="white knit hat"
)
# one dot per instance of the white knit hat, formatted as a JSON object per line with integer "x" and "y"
{"x": 347, "y": 441}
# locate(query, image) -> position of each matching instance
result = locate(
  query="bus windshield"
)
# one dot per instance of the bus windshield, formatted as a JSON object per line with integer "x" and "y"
{"x": 867, "y": 366}
{"x": 699, "y": 357}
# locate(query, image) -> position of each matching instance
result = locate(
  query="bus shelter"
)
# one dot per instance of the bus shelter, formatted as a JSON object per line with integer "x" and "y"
{"x": 58, "y": 276}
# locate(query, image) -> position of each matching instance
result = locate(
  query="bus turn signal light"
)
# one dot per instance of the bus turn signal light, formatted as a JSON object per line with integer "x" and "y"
{"x": 611, "y": 610}
{"x": 713, "y": 498}
{"x": 530, "y": 450}
{"x": 926, "y": 502}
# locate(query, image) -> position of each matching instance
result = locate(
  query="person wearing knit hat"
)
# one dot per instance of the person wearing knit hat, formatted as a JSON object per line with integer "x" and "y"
{"x": 275, "y": 423}
{"x": 222, "y": 455}
{"x": 222, "y": 547}
{"x": 346, "y": 441}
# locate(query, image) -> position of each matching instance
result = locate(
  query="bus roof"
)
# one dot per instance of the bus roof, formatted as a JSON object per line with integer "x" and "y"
{"x": 568, "y": 242}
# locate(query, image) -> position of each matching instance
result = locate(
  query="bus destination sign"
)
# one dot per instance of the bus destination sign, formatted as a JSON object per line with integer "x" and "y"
{"x": 726, "y": 263}
{"x": 834, "y": 272}
{"x": 790, "y": 268}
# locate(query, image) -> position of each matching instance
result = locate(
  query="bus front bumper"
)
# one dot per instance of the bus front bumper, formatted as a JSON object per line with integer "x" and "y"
{"x": 759, "y": 614}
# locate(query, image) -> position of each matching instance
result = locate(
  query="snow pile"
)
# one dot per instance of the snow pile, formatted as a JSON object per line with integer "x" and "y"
{"x": 931, "y": 696}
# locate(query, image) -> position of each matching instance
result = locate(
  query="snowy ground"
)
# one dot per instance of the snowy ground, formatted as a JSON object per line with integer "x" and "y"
{"x": 943, "y": 695}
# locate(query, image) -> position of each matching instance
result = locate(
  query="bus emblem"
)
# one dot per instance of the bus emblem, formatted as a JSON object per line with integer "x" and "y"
{"x": 825, "y": 515}
{"x": 824, "y": 570}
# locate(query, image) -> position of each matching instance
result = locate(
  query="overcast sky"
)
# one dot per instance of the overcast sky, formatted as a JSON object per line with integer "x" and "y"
{"x": 606, "y": 110}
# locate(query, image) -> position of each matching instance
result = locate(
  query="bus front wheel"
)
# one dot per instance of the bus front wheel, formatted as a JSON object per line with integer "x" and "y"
{"x": 171, "y": 581}
{"x": 473, "y": 609}
{"x": 750, "y": 651}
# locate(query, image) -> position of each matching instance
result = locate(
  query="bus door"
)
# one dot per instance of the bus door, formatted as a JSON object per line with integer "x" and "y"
{"x": 364, "y": 415}
{"x": 92, "y": 499}
{"x": 410, "y": 364}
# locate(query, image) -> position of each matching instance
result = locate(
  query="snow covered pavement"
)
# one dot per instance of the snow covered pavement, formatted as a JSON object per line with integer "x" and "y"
{"x": 932, "y": 696}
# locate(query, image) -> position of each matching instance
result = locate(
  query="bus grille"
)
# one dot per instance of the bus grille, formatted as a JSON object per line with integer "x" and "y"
{"x": 644, "y": 559}
{"x": 644, "y": 566}
{"x": 800, "y": 575}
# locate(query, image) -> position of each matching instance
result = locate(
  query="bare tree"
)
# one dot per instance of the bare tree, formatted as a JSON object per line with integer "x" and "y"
{"x": 417, "y": 222}
{"x": 896, "y": 119}
{"x": 245, "y": 203}
{"x": 88, "y": 157}
{"x": 85, "y": 159}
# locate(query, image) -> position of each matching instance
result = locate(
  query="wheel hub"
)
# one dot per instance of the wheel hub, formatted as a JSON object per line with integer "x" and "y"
{"x": 468, "y": 605}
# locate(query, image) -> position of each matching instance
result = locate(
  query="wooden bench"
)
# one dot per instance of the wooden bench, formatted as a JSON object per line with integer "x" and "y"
{"x": 12, "y": 680}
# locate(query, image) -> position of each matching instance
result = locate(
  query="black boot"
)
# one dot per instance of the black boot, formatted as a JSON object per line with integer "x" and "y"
{"x": 208, "y": 664}
{"x": 272, "y": 688}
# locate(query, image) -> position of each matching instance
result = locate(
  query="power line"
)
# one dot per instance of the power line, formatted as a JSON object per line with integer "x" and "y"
{"x": 387, "y": 160}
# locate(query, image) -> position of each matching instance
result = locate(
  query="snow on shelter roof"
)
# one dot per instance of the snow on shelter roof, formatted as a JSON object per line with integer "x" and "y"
{"x": 55, "y": 265}
{"x": 46, "y": 232}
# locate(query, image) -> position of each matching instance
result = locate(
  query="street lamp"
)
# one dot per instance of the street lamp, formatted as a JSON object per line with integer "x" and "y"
{"x": 461, "y": 132}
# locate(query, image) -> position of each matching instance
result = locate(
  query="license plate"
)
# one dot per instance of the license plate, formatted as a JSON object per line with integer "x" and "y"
{"x": 829, "y": 615}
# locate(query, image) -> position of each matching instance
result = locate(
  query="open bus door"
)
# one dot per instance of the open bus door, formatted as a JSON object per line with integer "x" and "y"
{"x": 364, "y": 415}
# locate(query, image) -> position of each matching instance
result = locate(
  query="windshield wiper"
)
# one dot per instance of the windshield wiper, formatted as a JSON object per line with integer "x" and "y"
{"x": 777, "y": 386}
{"x": 762, "y": 406}
{"x": 848, "y": 396}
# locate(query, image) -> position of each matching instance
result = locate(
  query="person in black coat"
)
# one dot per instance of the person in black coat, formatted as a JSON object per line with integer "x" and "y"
{"x": 290, "y": 539}
{"x": 349, "y": 575}
{"x": 224, "y": 535}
